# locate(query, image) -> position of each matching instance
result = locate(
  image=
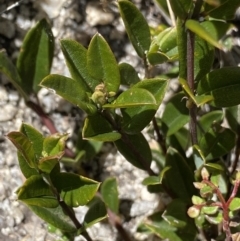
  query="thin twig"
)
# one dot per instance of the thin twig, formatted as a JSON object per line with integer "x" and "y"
{"x": 172, "y": 16}
{"x": 190, "y": 80}
{"x": 116, "y": 222}
{"x": 66, "y": 209}
{"x": 160, "y": 139}
{"x": 16, "y": 4}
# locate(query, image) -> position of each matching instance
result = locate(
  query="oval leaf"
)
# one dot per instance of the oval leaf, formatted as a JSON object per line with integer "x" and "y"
{"x": 216, "y": 143}
{"x": 70, "y": 90}
{"x": 175, "y": 114}
{"x": 181, "y": 8}
{"x": 136, "y": 27}
{"x": 24, "y": 146}
{"x": 128, "y": 74}
{"x": 76, "y": 59}
{"x": 109, "y": 193}
{"x": 102, "y": 64}
{"x": 157, "y": 58}
{"x": 36, "y": 192}
{"x": 35, "y": 137}
{"x": 27, "y": 171}
{"x": 56, "y": 217}
{"x": 198, "y": 29}
{"x": 223, "y": 9}
{"x": 98, "y": 129}
{"x": 222, "y": 82}
{"x": 235, "y": 204}
{"x": 181, "y": 185}
{"x": 96, "y": 213}
{"x": 75, "y": 190}
{"x": 133, "y": 97}
{"x": 7, "y": 67}
{"x": 35, "y": 58}
{"x": 54, "y": 144}
{"x": 139, "y": 154}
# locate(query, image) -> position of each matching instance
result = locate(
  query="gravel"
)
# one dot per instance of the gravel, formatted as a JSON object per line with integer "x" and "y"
{"x": 78, "y": 20}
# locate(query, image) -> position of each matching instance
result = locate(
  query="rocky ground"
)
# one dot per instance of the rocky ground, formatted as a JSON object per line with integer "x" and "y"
{"x": 78, "y": 20}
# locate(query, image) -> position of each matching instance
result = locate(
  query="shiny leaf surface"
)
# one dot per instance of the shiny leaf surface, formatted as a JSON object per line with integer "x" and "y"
{"x": 132, "y": 18}
{"x": 35, "y": 58}
{"x": 70, "y": 90}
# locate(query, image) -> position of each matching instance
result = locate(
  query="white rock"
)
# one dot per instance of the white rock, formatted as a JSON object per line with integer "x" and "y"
{"x": 3, "y": 95}
{"x": 13, "y": 96}
{"x": 51, "y": 7}
{"x": 96, "y": 15}
{"x": 147, "y": 196}
{"x": 7, "y": 112}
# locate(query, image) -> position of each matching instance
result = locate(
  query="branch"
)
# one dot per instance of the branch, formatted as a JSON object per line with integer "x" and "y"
{"x": 190, "y": 80}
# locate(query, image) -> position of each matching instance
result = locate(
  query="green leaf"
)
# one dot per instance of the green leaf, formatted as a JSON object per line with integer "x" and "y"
{"x": 167, "y": 39}
{"x": 179, "y": 178}
{"x": 198, "y": 100}
{"x": 35, "y": 58}
{"x": 209, "y": 210}
{"x": 197, "y": 200}
{"x": 54, "y": 144}
{"x": 101, "y": 63}
{"x": 164, "y": 230}
{"x": 203, "y": 58}
{"x": 128, "y": 74}
{"x": 36, "y": 192}
{"x": 70, "y": 90}
{"x": 157, "y": 87}
{"x": 47, "y": 164}
{"x": 24, "y": 146}
{"x": 132, "y": 98}
{"x": 99, "y": 129}
{"x": 135, "y": 119}
{"x": 155, "y": 58}
{"x": 181, "y": 8}
{"x": 235, "y": 204}
{"x": 225, "y": 9}
{"x": 155, "y": 180}
{"x": 233, "y": 117}
{"x": 176, "y": 214}
{"x": 182, "y": 48}
{"x": 217, "y": 28}
{"x": 217, "y": 142}
{"x": 26, "y": 170}
{"x": 109, "y": 193}
{"x": 7, "y": 68}
{"x": 96, "y": 213}
{"x": 206, "y": 121}
{"x": 75, "y": 190}
{"x": 35, "y": 137}
{"x": 217, "y": 219}
{"x": 133, "y": 19}
{"x": 76, "y": 59}
{"x": 175, "y": 114}
{"x": 56, "y": 217}
{"x": 198, "y": 29}
{"x": 222, "y": 82}
{"x": 136, "y": 150}
{"x": 151, "y": 180}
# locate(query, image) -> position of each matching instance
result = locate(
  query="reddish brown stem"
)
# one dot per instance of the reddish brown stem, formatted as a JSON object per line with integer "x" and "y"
{"x": 48, "y": 123}
{"x": 190, "y": 80}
